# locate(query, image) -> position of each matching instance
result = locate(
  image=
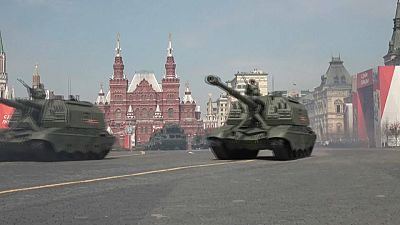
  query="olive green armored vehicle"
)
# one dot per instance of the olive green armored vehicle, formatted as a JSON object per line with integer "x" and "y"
{"x": 261, "y": 123}
{"x": 170, "y": 137}
{"x": 52, "y": 129}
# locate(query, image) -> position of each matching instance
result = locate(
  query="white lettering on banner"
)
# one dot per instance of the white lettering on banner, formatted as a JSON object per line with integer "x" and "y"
{"x": 6, "y": 119}
{"x": 364, "y": 75}
{"x": 364, "y": 82}
{"x": 364, "y": 79}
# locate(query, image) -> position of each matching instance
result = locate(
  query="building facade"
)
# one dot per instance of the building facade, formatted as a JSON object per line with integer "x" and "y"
{"x": 5, "y": 91}
{"x": 242, "y": 78}
{"x": 134, "y": 110}
{"x": 217, "y": 112}
{"x": 392, "y": 58}
{"x": 326, "y": 107}
{"x": 296, "y": 94}
{"x": 376, "y": 100}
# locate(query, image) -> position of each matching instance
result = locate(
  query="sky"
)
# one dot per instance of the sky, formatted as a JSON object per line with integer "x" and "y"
{"x": 292, "y": 40}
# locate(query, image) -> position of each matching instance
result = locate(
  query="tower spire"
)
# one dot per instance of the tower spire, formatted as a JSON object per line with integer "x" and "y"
{"x": 188, "y": 94}
{"x": 393, "y": 55}
{"x": 118, "y": 48}
{"x": 118, "y": 63}
{"x": 170, "y": 49}
{"x": 170, "y": 64}
{"x": 36, "y": 77}
{"x": 36, "y": 72}
{"x": 1, "y": 44}
{"x": 101, "y": 99}
{"x": 397, "y": 16}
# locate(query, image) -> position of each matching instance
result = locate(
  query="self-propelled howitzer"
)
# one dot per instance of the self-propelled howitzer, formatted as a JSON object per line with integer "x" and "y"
{"x": 53, "y": 129}
{"x": 259, "y": 123}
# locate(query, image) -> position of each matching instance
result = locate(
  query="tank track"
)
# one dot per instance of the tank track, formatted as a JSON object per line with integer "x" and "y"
{"x": 43, "y": 151}
{"x": 280, "y": 147}
{"x": 221, "y": 152}
{"x": 283, "y": 151}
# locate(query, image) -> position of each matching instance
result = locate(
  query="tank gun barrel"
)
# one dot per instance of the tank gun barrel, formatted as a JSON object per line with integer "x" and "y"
{"x": 20, "y": 104}
{"x": 13, "y": 104}
{"x": 28, "y": 88}
{"x": 29, "y": 104}
{"x": 34, "y": 93}
{"x": 216, "y": 81}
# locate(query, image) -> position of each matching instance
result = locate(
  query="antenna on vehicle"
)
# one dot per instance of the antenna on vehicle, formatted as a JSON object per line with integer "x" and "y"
{"x": 69, "y": 86}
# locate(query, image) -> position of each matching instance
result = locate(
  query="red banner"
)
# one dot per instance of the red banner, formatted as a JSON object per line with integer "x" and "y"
{"x": 126, "y": 141}
{"x": 5, "y": 115}
{"x": 365, "y": 79}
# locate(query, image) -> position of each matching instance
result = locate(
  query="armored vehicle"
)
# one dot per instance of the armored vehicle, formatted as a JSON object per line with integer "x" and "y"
{"x": 199, "y": 142}
{"x": 52, "y": 129}
{"x": 261, "y": 122}
{"x": 170, "y": 137}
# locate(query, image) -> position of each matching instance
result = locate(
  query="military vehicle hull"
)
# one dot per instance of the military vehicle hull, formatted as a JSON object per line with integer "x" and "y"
{"x": 287, "y": 142}
{"x": 261, "y": 123}
{"x": 168, "y": 145}
{"x": 53, "y": 144}
{"x": 170, "y": 137}
{"x": 52, "y": 129}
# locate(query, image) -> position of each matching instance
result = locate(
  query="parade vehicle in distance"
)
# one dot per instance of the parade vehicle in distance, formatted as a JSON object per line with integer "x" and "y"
{"x": 170, "y": 137}
{"x": 199, "y": 142}
{"x": 53, "y": 129}
{"x": 259, "y": 123}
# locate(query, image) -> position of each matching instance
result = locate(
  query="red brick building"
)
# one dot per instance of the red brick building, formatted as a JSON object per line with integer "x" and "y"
{"x": 134, "y": 110}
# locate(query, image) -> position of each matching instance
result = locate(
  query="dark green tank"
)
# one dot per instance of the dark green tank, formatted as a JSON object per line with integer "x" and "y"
{"x": 170, "y": 137}
{"x": 52, "y": 129}
{"x": 261, "y": 122}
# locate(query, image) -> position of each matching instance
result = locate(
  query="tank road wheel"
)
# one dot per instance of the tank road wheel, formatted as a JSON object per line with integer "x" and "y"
{"x": 245, "y": 154}
{"x": 282, "y": 149}
{"x": 103, "y": 154}
{"x": 221, "y": 152}
{"x": 309, "y": 151}
{"x": 97, "y": 155}
{"x": 41, "y": 150}
{"x": 76, "y": 156}
{"x": 300, "y": 153}
{"x": 296, "y": 154}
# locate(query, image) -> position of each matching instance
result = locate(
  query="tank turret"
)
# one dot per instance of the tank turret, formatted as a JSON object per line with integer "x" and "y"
{"x": 34, "y": 93}
{"x": 53, "y": 129}
{"x": 265, "y": 122}
{"x": 216, "y": 81}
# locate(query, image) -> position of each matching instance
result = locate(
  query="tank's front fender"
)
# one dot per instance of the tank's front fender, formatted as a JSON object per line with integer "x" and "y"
{"x": 278, "y": 132}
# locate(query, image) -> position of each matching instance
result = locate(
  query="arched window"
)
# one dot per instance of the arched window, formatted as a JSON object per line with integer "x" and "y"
{"x": 144, "y": 112}
{"x": 137, "y": 112}
{"x": 338, "y": 106}
{"x": 339, "y": 127}
{"x": 170, "y": 113}
{"x": 118, "y": 114}
{"x": 343, "y": 79}
{"x": 336, "y": 80}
